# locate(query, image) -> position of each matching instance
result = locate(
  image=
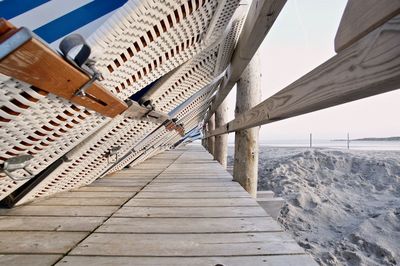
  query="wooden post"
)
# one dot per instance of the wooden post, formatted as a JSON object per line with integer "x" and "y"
{"x": 221, "y": 141}
{"x": 211, "y": 140}
{"x": 310, "y": 140}
{"x": 245, "y": 168}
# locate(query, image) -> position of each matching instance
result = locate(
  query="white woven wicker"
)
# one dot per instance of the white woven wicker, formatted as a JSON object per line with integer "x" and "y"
{"x": 139, "y": 44}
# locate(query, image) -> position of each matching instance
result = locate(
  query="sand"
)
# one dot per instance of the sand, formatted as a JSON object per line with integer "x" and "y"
{"x": 342, "y": 206}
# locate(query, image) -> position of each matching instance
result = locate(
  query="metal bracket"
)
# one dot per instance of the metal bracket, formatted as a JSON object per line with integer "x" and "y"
{"x": 17, "y": 163}
{"x": 81, "y": 60}
{"x": 111, "y": 152}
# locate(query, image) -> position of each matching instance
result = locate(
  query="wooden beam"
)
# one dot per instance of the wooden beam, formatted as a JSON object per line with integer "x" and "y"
{"x": 26, "y": 58}
{"x": 245, "y": 166}
{"x": 221, "y": 141}
{"x": 361, "y": 17}
{"x": 211, "y": 140}
{"x": 370, "y": 66}
{"x": 260, "y": 18}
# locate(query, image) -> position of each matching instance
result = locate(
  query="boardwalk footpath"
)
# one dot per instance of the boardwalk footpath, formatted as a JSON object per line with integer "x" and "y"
{"x": 178, "y": 208}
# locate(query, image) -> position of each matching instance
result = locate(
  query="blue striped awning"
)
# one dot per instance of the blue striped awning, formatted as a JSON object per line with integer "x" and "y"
{"x": 54, "y": 19}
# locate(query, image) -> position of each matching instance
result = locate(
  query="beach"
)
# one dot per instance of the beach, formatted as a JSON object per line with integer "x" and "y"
{"x": 342, "y": 206}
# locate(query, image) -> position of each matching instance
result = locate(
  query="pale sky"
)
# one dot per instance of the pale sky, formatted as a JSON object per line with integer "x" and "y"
{"x": 301, "y": 39}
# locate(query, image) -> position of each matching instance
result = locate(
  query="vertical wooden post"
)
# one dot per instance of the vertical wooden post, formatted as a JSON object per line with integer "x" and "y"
{"x": 245, "y": 168}
{"x": 221, "y": 141}
{"x": 310, "y": 140}
{"x": 211, "y": 140}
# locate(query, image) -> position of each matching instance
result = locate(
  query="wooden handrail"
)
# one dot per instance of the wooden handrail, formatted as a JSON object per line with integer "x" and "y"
{"x": 368, "y": 67}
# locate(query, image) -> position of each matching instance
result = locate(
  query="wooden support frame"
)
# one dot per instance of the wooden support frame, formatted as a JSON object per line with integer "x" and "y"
{"x": 261, "y": 17}
{"x": 25, "y": 57}
{"x": 361, "y": 17}
{"x": 368, "y": 67}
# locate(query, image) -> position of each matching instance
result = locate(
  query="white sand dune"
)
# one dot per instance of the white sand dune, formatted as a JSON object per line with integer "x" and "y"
{"x": 342, "y": 206}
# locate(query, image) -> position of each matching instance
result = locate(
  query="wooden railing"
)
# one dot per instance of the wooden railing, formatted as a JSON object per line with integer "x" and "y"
{"x": 367, "y": 63}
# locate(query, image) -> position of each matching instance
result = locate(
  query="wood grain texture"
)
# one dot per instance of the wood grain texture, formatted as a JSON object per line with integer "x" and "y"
{"x": 182, "y": 212}
{"x": 245, "y": 164}
{"x": 36, "y": 64}
{"x": 369, "y": 67}
{"x": 31, "y": 260}
{"x": 39, "y": 242}
{"x": 80, "y": 202}
{"x": 231, "y": 202}
{"x": 281, "y": 260}
{"x": 49, "y": 223}
{"x": 361, "y": 17}
{"x": 187, "y": 244}
{"x": 192, "y": 195}
{"x": 189, "y": 225}
{"x": 30, "y": 210}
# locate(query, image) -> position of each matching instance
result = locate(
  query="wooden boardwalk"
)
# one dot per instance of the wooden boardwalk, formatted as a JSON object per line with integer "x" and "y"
{"x": 178, "y": 208}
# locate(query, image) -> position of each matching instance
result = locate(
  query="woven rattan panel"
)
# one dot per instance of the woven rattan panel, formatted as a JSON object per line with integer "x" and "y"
{"x": 141, "y": 42}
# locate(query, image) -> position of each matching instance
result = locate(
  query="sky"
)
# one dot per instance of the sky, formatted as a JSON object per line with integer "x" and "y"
{"x": 301, "y": 39}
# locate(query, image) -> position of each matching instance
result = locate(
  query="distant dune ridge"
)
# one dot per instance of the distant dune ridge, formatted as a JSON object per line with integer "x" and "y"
{"x": 342, "y": 206}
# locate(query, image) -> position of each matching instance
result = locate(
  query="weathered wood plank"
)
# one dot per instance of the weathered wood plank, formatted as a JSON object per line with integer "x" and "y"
{"x": 109, "y": 189}
{"x": 117, "y": 184}
{"x": 31, "y": 260}
{"x": 189, "y": 225}
{"x": 49, "y": 223}
{"x": 93, "y": 194}
{"x": 282, "y": 260}
{"x": 370, "y": 66}
{"x": 30, "y": 210}
{"x": 361, "y": 17}
{"x": 192, "y": 195}
{"x": 191, "y": 212}
{"x": 235, "y": 202}
{"x": 80, "y": 202}
{"x": 176, "y": 188}
{"x": 15, "y": 242}
{"x": 192, "y": 180}
{"x": 187, "y": 244}
{"x": 192, "y": 185}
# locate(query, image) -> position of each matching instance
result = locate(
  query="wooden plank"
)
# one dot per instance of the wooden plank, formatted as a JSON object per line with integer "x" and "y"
{"x": 39, "y": 242}
{"x": 109, "y": 189}
{"x": 189, "y": 225}
{"x": 361, "y": 17}
{"x": 235, "y": 202}
{"x": 48, "y": 223}
{"x": 124, "y": 179}
{"x": 30, "y": 210}
{"x": 370, "y": 66}
{"x": 187, "y": 244}
{"x": 93, "y": 194}
{"x": 192, "y": 195}
{"x": 193, "y": 212}
{"x": 35, "y": 63}
{"x": 192, "y": 180}
{"x": 192, "y": 185}
{"x": 31, "y": 260}
{"x": 178, "y": 189}
{"x": 282, "y": 260}
{"x": 116, "y": 184}
{"x": 80, "y": 202}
